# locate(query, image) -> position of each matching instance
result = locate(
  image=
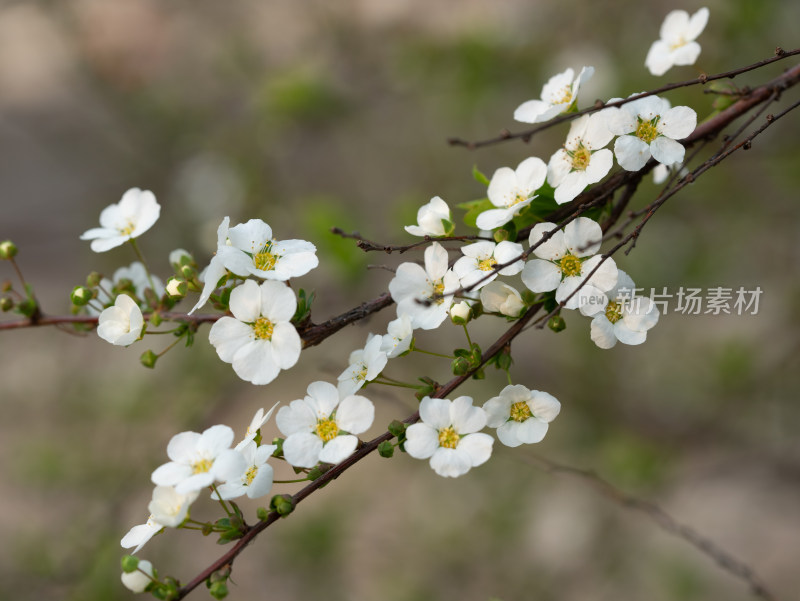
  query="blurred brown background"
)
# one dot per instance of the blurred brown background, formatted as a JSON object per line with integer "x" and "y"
{"x": 318, "y": 114}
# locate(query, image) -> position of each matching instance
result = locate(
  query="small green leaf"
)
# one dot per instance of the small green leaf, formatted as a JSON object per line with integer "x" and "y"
{"x": 479, "y": 176}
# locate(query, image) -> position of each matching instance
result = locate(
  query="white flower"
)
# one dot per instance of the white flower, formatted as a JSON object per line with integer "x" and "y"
{"x": 198, "y": 460}
{"x": 477, "y": 267}
{"x": 129, "y": 218}
{"x": 459, "y": 313}
{"x": 248, "y": 249}
{"x": 581, "y": 162}
{"x": 138, "y": 580}
{"x": 136, "y": 274}
{"x": 170, "y": 508}
{"x": 565, "y": 261}
{"x": 365, "y": 365}
{"x": 398, "y": 338}
{"x": 520, "y": 415}
{"x": 447, "y": 434}
{"x": 558, "y": 94}
{"x": 626, "y": 318}
{"x": 259, "y": 340}
{"x": 649, "y": 126}
{"x": 259, "y": 419}
{"x": 122, "y": 323}
{"x": 419, "y": 291}
{"x": 176, "y": 288}
{"x": 433, "y": 219}
{"x": 139, "y": 535}
{"x": 502, "y": 298}
{"x": 323, "y": 425}
{"x": 511, "y": 191}
{"x": 677, "y": 45}
{"x": 256, "y": 481}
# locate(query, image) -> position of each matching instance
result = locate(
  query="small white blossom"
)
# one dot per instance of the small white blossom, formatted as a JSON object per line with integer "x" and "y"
{"x": 323, "y": 425}
{"x": 677, "y": 45}
{"x": 583, "y": 160}
{"x": 122, "y": 323}
{"x": 649, "y": 127}
{"x": 169, "y": 507}
{"x": 174, "y": 288}
{"x": 398, "y": 337}
{"x": 565, "y": 262}
{"x": 259, "y": 340}
{"x": 256, "y": 481}
{"x": 365, "y": 365}
{"x": 131, "y": 217}
{"x": 626, "y": 317}
{"x": 459, "y": 313}
{"x": 520, "y": 415}
{"x": 502, "y": 298}
{"x": 422, "y": 292}
{"x": 448, "y": 435}
{"x": 259, "y": 419}
{"x": 139, "y": 535}
{"x": 511, "y": 190}
{"x": 138, "y": 580}
{"x": 433, "y": 219}
{"x": 477, "y": 267}
{"x": 198, "y": 460}
{"x": 558, "y": 94}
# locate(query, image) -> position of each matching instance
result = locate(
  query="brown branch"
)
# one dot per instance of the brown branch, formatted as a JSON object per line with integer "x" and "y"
{"x": 527, "y": 134}
{"x": 665, "y": 521}
{"x": 368, "y": 245}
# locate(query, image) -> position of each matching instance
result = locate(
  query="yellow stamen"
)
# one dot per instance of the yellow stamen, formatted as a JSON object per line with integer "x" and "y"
{"x": 647, "y": 131}
{"x": 202, "y": 466}
{"x": 438, "y": 290}
{"x": 448, "y": 438}
{"x": 265, "y": 261}
{"x": 250, "y": 475}
{"x": 613, "y": 311}
{"x": 566, "y": 96}
{"x": 581, "y": 157}
{"x": 487, "y": 264}
{"x": 263, "y": 328}
{"x": 570, "y": 265}
{"x": 520, "y": 411}
{"x": 327, "y": 429}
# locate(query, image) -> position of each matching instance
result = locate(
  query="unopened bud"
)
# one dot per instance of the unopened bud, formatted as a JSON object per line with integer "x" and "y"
{"x": 460, "y": 313}
{"x": 556, "y": 323}
{"x": 386, "y": 449}
{"x": 262, "y": 513}
{"x": 93, "y": 279}
{"x": 460, "y": 366}
{"x": 397, "y": 428}
{"x": 148, "y": 359}
{"x": 129, "y": 563}
{"x": 176, "y": 288}
{"x": 80, "y": 296}
{"x": 188, "y": 272}
{"x": 8, "y": 250}
{"x": 283, "y": 504}
{"x": 179, "y": 257}
{"x": 218, "y": 590}
{"x": 6, "y": 304}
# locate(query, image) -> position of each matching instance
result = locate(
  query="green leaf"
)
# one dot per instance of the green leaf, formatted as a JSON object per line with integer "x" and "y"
{"x": 479, "y": 176}
{"x": 475, "y": 208}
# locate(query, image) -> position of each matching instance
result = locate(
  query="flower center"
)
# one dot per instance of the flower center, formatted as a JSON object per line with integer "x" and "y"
{"x": 520, "y": 197}
{"x": 202, "y": 466}
{"x": 265, "y": 261}
{"x": 570, "y": 265}
{"x": 520, "y": 411}
{"x": 613, "y": 311}
{"x": 263, "y": 328}
{"x": 581, "y": 157}
{"x": 565, "y": 97}
{"x": 327, "y": 429}
{"x": 487, "y": 264}
{"x": 438, "y": 290}
{"x": 128, "y": 229}
{"x": 677, "y": 43}
{"x": 250, "y": 475}
{"x": 647, "y": 131}
{"x": 448, "y": 438}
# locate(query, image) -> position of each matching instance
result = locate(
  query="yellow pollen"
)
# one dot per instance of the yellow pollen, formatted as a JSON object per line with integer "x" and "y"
{"x": 438, "y": 290}
{"x": 570, "y": 265}
{"x": 520, "y": 411}
{"x": 265, "y": 261}
{"x": 327, "y": 429}
{"x": 128, "y": 229}
{"x": 518, "y": 199}
{"x": 250, "y": 475}
{"x": 678, "y": 43}
{"x": 487, "y": 264}
{"x": 361, "y": 374}
{"x": 581, "y": 157}
{"x": 613, "y": 311}
{"x": 263, "y": 328}
{"x": 448, "y": 438}
{"x": 566, "y": 96}
{"x": 202, "y": 466}
{"x": 647, "y": 130}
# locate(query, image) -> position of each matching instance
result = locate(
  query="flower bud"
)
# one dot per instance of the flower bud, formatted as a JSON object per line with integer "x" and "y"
{"x": 218, "y": 590}
{"x": 460, "y": 313}
{"x": 136, "y": 581}
{"x": 6, "y": 303}
{"x": 8, "y": 250}
{"x": 129, "y": 563}
{"x": 93, "y": 279}
{"x": 397, "y": 428}
{"x": 262, "y": 514}
{"x": 148, "y": 359}
{"x": 80, "y": 296}
{"x": 283, "y": 504}
{"x": 386, "y": 449}
{"x": 556, "y": 323}
{"x": 180, "y": 257}
{"x": 460, "y": 366}
{"x": 502, "y": 298}
{"x": 187, "y": 272}
{"x": 176, "y": 288}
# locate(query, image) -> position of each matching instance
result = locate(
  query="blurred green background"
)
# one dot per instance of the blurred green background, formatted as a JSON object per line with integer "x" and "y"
{"x": 318, "y": 114}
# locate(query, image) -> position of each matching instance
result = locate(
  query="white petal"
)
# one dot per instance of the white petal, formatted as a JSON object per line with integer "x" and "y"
{"x": 227, "y": 335}
{"x": 297, "y": 417}
{"x": 355, "y": 414}
{"x": 254, "y": 362}
{"x": 531, "y": 174}
{"x": 245, "y": 303}
{"x": 250, "y": 237}
{"x": 464, "y": 417}
{"x": 667, "y": 151}
{"x": 338, "y": 449}
{"x": 674, "y": 25}
{"x": 531, "y": 111}
{"x": 421, "y": 441}
{"x": 544, "y": 405}
{"x": 450, "y": 463}
{"x": 678, "y": 122}
{"x": 322, "y": 398}
{"x": 659, "y": 59}
{"x": 572, "y": 185}
{"x": 278, "y": 302}
{"x": 302, "y": 449}
{"x": 493, "y": 218}
{"x": 286, "y": 345}
{"x": 498, "y": 410}
{"x": 435, "y": 412}
{"x": 477, "y": 446}
{"x": 553, "y": 248}
{"x": 531, "y": 431}
{"x": 627, "y": 336}
{"x": 602, "y": 332}
{"x": 541, "y": 276}
{"x": 631, "y": 152}
{"x": 583, "y": 237}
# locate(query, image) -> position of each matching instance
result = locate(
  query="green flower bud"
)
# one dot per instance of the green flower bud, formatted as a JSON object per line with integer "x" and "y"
{"x": 6, "y": 303}
{"x": 81, "y": 295}
{"x": 148, "y": 359}
{"x": 27, "y": 307}
{"x": 386, "y": 449}
{"x": 188, "y": 272}
{"x": 262, "y": 514}
{"x": 397, "y": 428}
{"x": 156, "y": 319}
{"x": 93, "y": 279}
{"x": 504, "y": 358}
{"x": 129, "y": 563}
{"x": 218, "y": 590}
{"x": 176, "y": 288}
{"x": 460, "y": 366}
{"x": 8, "y": 250}
{"x": 283, "y": 504}
{"x": 557, "y": 323}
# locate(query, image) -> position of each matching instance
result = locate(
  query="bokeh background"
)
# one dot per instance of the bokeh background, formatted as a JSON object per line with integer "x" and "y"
{"x": 318, "y": 114}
